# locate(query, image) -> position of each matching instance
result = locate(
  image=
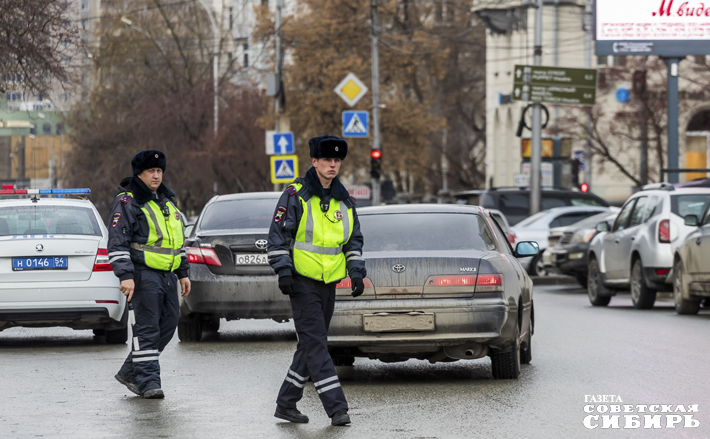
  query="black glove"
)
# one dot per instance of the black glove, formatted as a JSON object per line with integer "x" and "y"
{"x": 286, "y": 285}
{"x": 358, "y": 286}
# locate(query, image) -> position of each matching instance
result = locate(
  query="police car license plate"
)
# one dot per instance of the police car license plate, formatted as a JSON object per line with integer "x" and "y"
{"x": 386, "y": 322}
{"x": 46, "y": 263}
{"x": 251, "y": 259}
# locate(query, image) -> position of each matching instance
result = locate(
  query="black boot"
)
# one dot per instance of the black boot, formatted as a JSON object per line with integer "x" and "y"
{"x": 340, "y": 418}
{"x": 291, "y": 415}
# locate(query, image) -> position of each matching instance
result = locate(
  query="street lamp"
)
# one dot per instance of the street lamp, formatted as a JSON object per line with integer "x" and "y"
{"x": 215, "y": 65}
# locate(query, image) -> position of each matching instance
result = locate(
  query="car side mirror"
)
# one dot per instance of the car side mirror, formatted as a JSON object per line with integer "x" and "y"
{"x": 526, "y": 248}
{"x": 691, "y": 220}
{"x": 602, "y": 227}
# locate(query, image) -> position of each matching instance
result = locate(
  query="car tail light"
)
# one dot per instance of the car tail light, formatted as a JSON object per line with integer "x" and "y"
{"x": 511, "y": 238}
{"x": 662, "y": 271}
{"x": 452, "y": 281}
{"x": 197, "y": 255}
{"x": 664, "y": 231}
{"x": 102, "y": 263}
{"x": 489, "y": 282}
{"x": 108, "y": 301}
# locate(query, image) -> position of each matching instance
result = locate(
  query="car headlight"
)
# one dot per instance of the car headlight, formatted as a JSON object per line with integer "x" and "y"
{"x": 583, "y": 235}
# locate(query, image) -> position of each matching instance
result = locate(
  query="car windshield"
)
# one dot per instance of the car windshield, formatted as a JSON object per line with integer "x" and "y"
{"x": 239, "y": 214}
{"x": 578, "y": 201}
{"x": 48, "y": 220}
{"x": 690, "y": 204}
{"x": 426, "y": 231}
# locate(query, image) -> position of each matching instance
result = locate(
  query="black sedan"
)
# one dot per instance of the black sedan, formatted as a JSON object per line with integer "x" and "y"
{"x": 443, "y": 284}
{"x": 230, "y": 273}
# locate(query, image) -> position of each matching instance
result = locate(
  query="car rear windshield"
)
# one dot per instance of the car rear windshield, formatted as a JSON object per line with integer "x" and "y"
{"x": 426, "y": 231}
{"x": 690, "y": 204}
{"x": 239, "y": 214}
{"x": 48, "y": 220}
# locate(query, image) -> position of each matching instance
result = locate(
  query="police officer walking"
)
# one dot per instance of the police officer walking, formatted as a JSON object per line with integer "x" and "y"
{"x": 314, "y": 242}
{"x": 146, "y": 252}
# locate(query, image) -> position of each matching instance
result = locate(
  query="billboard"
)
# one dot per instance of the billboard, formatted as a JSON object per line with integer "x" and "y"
{"x": 672, "y": 28}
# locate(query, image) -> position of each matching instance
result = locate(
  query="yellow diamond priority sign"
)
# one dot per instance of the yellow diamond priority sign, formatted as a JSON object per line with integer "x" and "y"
{"x": 351, "y": 89}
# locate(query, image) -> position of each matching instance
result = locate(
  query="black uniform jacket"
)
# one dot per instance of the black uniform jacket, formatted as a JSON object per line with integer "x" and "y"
{"x": 287, "y": 218}
{"x": 127, "y": 224}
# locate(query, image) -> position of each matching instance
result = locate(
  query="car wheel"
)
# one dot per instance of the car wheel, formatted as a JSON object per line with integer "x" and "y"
{"x": 537, "y": 267}
{"x": 190, "y": 328}
{"x": 597, "y": 292}
{"x": 506, "y": 365}
{"x": 210, "y": 323}
{"x": 117, "y": 336}
{"x": 682, "y": 306}
{"x": 582, "y": 280}
{"x": 526, "y": 351}
{"x": 641, "y": 295}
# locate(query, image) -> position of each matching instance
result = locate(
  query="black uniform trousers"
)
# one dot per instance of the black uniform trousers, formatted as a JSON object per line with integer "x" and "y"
{"x": 312, "y": 303}
{"x": 156, "y": 308}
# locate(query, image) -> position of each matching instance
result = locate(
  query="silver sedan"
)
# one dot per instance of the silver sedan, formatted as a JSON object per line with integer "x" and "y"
{"x": 443, "y": 284}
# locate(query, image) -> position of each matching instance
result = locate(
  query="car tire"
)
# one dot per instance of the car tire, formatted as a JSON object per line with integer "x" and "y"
{"x": 642, "y": 296}
{"x": 582, "y": 280}
{"x": 682, "y": 306}
{"x": 210, "y": 323}
{"x": 506, "y": 365}
{"x": 117, "y": 336}
{"x": 190, "y": 328}
{"x": 537, "y": 267}
{"x": 599, "y": 295}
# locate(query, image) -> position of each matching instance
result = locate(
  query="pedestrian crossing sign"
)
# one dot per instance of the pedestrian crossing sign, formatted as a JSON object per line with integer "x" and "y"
{"x": 284, "y": 168}
{"x": 355, "y": 124}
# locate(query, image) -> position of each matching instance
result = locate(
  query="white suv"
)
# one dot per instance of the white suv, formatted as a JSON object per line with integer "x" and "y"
{"x": 637, "y": 252}
{"x": 54, "y": 267}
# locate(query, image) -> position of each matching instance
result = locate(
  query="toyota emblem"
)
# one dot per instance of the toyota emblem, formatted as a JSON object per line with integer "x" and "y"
{"x": 39, "y": 248}
{"x": 398, "y": 268}
{"x": 261, "y": 244}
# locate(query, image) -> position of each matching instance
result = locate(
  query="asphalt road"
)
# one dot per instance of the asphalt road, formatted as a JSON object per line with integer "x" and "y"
{"x": 59, "y": 383}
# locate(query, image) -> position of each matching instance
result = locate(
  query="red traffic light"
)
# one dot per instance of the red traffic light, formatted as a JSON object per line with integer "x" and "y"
{"x": 584, "y": 187}
{"x": 376, "y": 154}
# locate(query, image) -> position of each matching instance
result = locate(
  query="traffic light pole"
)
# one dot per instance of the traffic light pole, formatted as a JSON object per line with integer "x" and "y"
{"x": 536, "y": 152}
{"x": 375, "y": 96}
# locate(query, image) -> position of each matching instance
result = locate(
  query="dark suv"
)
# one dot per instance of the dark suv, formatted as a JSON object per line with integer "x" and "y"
{"x": 515, "y": 202}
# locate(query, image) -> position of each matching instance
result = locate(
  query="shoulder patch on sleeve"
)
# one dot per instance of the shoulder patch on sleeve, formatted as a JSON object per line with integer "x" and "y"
{"x": 291, "y": 190}
{"x": 280, "y": 212}
{"x": 354, "y": 200}
{"x": 116, "y": 218}
{"x": 125, "y": 198}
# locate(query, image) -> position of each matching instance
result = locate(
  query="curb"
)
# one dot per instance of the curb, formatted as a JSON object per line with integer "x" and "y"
{"x": 553, "y": 280}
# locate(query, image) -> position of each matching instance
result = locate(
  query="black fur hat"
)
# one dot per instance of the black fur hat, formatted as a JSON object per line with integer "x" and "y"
{"x": 151, "y": 158}
{"x": 328, "y": 146}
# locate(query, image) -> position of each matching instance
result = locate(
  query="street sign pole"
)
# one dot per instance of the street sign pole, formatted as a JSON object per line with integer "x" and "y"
{"x": 536, "y": 153}
{"x": 672, "y": 64}
{"x": 375, "y": 97}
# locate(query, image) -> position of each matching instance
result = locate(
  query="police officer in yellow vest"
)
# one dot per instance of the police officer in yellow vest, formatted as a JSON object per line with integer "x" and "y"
{"x": 314, "y": 242}
{"x": 146, "y": 252}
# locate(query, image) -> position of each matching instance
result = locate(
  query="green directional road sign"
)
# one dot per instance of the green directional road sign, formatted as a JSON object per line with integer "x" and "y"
{"x": 554, "y": 85}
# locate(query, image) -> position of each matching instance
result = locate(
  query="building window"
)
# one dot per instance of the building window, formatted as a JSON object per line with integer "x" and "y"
{"x": 231, "y": 18}
{"x": 84, "y": 5}
{"x": 264, "y": 2}
{"x": 33, "y": 129}
{"x": 46, "y": 129}
{"x": 246, "y": 60}
{"x": 60, "y": 129}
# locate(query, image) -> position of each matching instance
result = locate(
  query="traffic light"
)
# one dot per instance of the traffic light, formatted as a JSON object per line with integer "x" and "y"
{"x": 375, "y": 163}
{"x": 584, "y": 187}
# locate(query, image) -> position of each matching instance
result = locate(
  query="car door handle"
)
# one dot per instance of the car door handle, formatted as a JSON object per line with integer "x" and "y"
{"x": 697, "y": 241}
{"x": 633, "y": 238}
{"x": 616, "y": 241}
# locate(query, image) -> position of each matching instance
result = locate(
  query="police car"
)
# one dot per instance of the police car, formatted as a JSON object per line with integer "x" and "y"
{"x": 54, "y": 264}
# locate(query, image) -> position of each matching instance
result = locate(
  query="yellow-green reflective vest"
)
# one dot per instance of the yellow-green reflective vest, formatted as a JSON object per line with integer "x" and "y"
{"x": 318, "y": 247}
{"x": 165, "y": 238}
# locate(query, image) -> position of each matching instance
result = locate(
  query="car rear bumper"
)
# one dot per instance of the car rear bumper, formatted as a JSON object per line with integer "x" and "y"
{"x": 570, "y": 260}
{"x": 236, "y": 297}
{"x": 87, "y": 317}
{"x": 457, "y": 322}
